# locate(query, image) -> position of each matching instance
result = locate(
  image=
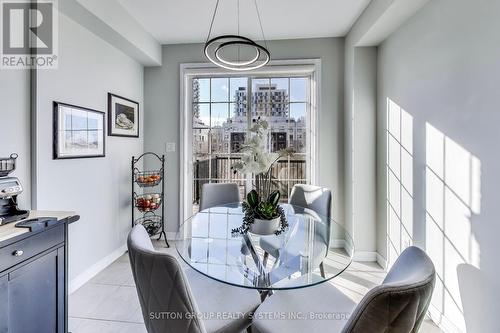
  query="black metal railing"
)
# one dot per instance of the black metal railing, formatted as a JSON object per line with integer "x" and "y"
{"x": 218, "y": 169}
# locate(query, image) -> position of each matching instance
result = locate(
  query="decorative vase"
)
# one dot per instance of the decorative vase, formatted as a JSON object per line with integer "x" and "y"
{"x": 265, "y": 227}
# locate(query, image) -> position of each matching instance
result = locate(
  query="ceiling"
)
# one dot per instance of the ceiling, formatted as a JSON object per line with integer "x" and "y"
{"x": 187, "y": 21}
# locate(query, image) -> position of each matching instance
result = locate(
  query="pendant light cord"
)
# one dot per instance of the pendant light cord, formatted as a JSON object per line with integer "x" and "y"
{"x": 238, "y": 7}
{"x": 213, "y": 19}
{"x": 260, "y": 23}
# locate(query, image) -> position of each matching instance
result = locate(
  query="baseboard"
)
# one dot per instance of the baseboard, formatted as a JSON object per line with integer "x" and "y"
{"x": 381, "y": 261}
{"x": 341, "y": 243}
{"x": 441, "y": 321}
{"x": 95, "y": 269}
{"x": 364, "y": 256}
{"x": 358, "y": 255}
{"x": 171, "y": 235}
{"x": 337, "y": 243}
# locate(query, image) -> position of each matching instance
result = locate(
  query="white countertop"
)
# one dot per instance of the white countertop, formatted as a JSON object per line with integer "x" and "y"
{"x": 9, "y": 230}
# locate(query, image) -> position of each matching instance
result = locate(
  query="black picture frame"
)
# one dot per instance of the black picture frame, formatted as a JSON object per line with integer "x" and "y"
{"x": 57, "y": 128}
{"x": 113, "y": 99}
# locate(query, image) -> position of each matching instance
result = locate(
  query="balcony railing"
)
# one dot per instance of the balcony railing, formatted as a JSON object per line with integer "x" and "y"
{"x": 218, "y": 170}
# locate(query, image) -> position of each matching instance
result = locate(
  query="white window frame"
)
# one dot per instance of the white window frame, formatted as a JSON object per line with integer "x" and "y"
{"x": 305, "y": 67}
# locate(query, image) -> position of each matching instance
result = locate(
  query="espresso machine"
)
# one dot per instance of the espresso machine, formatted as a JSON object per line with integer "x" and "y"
{"x": 10, "y": 188}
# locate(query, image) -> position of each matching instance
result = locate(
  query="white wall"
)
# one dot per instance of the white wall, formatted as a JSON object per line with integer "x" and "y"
{"x": 377, "y": 22}
{"x": 161, "y": 95}
{"x": 363, "y": 156}
{"x": 15, "y": 125}
{"x": 98, "y": 189}
{"x": 360, "y": 142}
{"x": 359, "y": 181}
{"x": 113, "y": 23}
{"x": 442, "y": 68}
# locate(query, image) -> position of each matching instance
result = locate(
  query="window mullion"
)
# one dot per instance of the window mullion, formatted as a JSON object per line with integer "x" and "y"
{"x": 248, "y": 178}
{"x": 220, "y": 140}
{"x": 288, "y": 171}
{"x": 210, "y": 131}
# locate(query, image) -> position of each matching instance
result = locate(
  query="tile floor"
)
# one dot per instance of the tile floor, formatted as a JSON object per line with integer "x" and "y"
{"x": 108, "y": 303}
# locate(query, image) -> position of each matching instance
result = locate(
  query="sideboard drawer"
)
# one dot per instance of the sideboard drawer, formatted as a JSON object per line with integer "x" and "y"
{"x": 16, "y": 253}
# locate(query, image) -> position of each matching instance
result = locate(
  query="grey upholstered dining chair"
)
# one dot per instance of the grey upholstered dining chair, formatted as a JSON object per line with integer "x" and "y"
{"x": 215, "y": 194}
{"x": 314, "y": 198}
{"x": 398, "y": 305}
{"x": 175, "y": 301}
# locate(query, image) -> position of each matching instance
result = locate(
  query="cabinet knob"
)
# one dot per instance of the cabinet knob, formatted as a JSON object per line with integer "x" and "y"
{"x": 18, "y": 253}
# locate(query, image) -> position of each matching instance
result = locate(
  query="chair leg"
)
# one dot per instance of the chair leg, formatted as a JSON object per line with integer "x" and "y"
{"x": 265, "y": 294}
{"x": 266, "y": 256}
{"x": 322, "y": 269}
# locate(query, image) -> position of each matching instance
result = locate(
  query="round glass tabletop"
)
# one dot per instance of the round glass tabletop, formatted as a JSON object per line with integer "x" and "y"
{"x": 313, "y": 249}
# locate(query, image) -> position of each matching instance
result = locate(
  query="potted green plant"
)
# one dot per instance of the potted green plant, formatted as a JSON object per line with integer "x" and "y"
{"x": 263, "y": 214}
{"x": 263, "y": 217}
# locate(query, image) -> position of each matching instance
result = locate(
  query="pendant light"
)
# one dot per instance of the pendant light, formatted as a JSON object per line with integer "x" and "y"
{"x": 217, "y": 48}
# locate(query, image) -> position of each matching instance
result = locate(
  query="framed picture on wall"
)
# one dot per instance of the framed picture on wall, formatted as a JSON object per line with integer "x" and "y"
{"x": 78, "y": 132}
{"x": 123, "y": 116}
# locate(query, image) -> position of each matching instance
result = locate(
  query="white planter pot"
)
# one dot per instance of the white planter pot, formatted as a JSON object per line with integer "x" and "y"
{"x": 265, "y": 227}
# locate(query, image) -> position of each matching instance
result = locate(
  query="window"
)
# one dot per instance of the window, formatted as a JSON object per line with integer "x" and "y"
{"x": 221, "y": 121}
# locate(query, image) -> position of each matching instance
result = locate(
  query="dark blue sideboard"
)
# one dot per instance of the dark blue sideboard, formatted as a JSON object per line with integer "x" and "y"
{"x": 33, "y": 277}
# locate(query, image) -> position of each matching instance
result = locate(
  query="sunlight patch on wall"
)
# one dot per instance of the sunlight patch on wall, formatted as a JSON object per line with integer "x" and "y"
{"x": 453, "y": 196}
{"x": 399, "y": 170}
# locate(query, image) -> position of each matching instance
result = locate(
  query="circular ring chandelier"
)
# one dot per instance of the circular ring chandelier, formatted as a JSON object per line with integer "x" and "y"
{"x": 217, "y": 48}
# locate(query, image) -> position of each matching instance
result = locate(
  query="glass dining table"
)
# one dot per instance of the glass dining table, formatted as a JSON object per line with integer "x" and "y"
{"x": 311, "y": 250}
